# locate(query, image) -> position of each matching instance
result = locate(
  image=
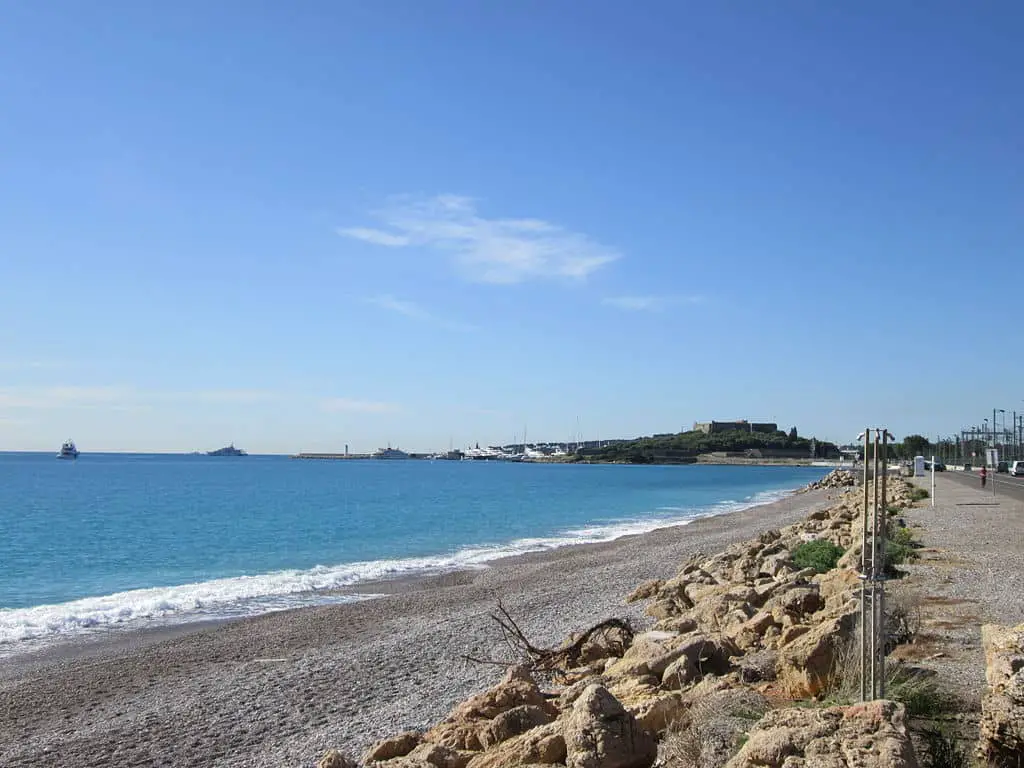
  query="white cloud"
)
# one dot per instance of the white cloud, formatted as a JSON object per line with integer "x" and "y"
{"x": 348, "y": 405}
{"x": 649, "y": 303}
{"x": 486, "y": 250}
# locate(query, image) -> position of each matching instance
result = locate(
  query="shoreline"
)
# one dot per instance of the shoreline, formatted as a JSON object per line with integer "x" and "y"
{"x": 405, "y": 571}
{"x": 282, "y": 687}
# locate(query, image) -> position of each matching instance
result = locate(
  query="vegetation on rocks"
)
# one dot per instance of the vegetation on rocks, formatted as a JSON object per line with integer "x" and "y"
{"x": 821, "y": 555}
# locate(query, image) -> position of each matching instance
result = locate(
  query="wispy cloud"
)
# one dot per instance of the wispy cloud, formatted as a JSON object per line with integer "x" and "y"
{"x": 407, "y": 308}
{"x": 650, "y": 303}
{"x": 348, "y": 405}
{"x": 414, "y": 311}
{"x": 486, "y": 250}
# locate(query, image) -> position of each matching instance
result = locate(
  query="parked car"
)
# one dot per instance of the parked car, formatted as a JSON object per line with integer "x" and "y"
{"x": 1017, "y": 470}
{"x": 1003, "y": 466}
{"x": 939, "y": 466}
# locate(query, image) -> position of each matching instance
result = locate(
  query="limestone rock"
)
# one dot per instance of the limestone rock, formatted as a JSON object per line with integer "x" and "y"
{"x": 758, "y": 667}
{"x": 335, "y": 759}
{"x": 432, "y": 756}
{"x": 1002, "y": 707}
{"x": 515, "y": 689}
{"x": 655, "y": 713}
{"x": 600, "y": 733}
{"x": 543, "y": 745}
{"x": 395, "y": 746}
{"x": 807, "y": 663}
{"x": 871, "y": 735}
{"x": 645, "y": 591}
{"x": 698, "y": 656}
{"x": 512, "y": 723}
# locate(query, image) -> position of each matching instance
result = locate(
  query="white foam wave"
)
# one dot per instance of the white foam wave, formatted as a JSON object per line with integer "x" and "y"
{"x": 252, "y": 595}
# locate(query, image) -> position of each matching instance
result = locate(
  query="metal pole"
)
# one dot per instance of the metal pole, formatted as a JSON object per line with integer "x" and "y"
{"x": 933, "y": 479}
{"x": 864, "y": 584}
{"x": 880, "y": 568}
{"x": 874, "y": 569}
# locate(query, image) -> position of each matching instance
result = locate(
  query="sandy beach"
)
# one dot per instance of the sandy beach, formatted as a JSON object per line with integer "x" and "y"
{"x": 280, "y": 689}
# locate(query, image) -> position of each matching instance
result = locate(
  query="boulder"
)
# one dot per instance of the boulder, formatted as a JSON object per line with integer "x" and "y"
{"x": 512, "y": 723}
{"x": 335, "y": 759}
{"x": 432, "y": 756}
{"x": 798, "y": 602}
{"x": 655, "y": 713}
{"x": 395, "y": 746}
{"x": 698, "y": 656}
{"x": 807, "y": 664}
{"x": 645, "y": 591}
{"x": 515, "y": 689}
{"x": 462, "y": 728}
{"x": 758, "y": 667}
{"x": 540, "y": 746}
{"x": 1002, "y": 706}
{"x": 870, "y": 735}
{"x": 600, "y": 733}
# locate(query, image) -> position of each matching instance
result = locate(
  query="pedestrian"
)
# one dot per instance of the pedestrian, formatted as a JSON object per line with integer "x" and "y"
{"x": 984, "y": 476}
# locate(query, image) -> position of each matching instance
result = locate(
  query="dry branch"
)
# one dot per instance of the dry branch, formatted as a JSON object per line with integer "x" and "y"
{"x": 617, "y": 635}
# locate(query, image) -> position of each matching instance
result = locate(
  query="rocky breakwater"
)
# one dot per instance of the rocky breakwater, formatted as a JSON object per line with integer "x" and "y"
{"x": 837, "y": 478}
{"x": 735, "y": 638}
{"x": 1002, "y": 707}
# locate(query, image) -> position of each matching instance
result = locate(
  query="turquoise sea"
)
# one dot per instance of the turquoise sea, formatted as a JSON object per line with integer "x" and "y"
{"x": 115, "y": 541}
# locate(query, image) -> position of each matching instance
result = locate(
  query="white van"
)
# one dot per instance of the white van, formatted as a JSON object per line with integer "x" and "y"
{"x": 1017, "y": 469}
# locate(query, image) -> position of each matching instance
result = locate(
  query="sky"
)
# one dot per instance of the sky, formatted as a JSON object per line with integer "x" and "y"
{"x": 300, "y": 226}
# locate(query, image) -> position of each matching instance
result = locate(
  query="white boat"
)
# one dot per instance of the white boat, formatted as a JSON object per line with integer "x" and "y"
{"x": 68, "y": 450}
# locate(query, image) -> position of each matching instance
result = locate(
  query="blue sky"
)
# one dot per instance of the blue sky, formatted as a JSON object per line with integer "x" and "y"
{"x": 296, "y": 226}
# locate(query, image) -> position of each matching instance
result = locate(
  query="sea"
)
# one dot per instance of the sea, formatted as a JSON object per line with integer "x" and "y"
{"x": 112, "y": 542}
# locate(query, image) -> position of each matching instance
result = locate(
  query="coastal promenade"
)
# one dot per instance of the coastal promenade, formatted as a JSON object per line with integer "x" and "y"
{"x": 970, "y": 572}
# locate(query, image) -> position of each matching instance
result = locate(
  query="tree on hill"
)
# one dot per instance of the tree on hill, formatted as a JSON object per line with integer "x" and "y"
{"x": 792, "y": 434}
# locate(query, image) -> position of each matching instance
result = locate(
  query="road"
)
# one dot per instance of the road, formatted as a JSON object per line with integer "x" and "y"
{"x": 1006, "y": 485}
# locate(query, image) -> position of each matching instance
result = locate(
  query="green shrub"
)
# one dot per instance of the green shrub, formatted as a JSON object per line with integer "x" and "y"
{"x": 821, "y": 555}
{"x": 918, "y": 494}
{"x": 901, "y": 547}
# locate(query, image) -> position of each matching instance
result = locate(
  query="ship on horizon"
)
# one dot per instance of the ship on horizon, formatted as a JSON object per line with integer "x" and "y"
{"x": 229, "y": 450}
{"x": 68, "y": 450}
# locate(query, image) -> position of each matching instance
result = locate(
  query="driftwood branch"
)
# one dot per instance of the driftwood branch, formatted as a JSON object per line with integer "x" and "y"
{"x": 615, "y": 634}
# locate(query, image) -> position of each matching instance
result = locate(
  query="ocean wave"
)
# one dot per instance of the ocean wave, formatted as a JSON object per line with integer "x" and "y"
{"x": 252, "y": 595}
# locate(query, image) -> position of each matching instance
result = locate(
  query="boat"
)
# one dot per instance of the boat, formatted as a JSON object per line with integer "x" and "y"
{"x": 68, "y": 450}
{"x": 390, "y": 453}
{"x": 229, "y": 450}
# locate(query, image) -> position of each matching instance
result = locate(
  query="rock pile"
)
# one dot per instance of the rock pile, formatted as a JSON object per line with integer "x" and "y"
{"x": 730, "y": 628}
{"x": 1002, "y": 708}
{"x": 871, "y": 734}
{"x": 837, "y": 478}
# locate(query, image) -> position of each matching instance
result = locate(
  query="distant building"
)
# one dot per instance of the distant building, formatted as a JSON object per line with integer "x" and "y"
{"x": 713, "y": 427}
